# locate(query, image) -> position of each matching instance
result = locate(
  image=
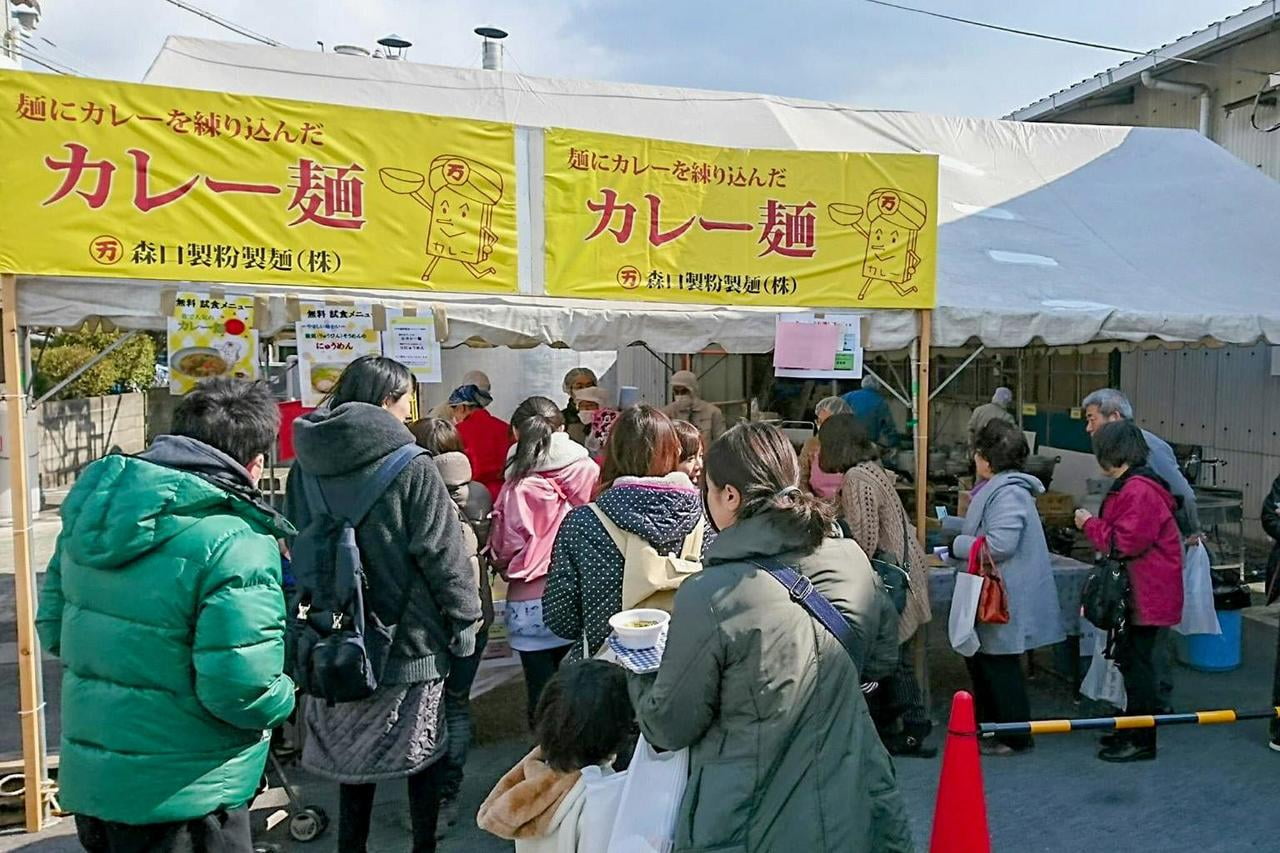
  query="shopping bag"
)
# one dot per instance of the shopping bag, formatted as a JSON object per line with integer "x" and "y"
{"x": 962, "y": 622}
{"x": 1198, "y": 615}
{"x": 600, "y": 811}
{"x": 1105, "y": 682}
{"x": 1092, "y": 639}
{"x": 650, "y": 802}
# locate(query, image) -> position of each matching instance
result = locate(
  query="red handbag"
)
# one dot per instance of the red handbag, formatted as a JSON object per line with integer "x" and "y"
{"x": 993, "y": 603}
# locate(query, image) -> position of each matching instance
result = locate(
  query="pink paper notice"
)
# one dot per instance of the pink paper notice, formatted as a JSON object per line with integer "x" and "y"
{"x": 807, "y": 346}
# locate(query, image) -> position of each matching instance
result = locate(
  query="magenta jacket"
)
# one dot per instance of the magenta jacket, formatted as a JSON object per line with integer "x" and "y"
{"x": 1138, "y": 518}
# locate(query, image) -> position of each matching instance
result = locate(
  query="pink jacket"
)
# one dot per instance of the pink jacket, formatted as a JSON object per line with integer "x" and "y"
{"x": 1139, "y": 520}
{"x": 528, "y": 513}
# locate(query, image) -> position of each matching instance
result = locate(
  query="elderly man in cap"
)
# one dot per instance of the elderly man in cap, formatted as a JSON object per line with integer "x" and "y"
{"x": 688, "y": 406}
{"x": 996, "y": 410}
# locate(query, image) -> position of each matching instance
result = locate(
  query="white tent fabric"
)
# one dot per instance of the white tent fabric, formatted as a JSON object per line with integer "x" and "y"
{"x": 1060, "y": 234}
{"x": 510, "y": 321}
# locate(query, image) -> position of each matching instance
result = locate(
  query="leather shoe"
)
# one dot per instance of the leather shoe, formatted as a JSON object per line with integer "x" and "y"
{"x": 1123, "y": 753}
{"x": 1111, "y": 739}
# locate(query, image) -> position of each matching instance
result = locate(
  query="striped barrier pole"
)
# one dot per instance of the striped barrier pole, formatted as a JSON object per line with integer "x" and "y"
{"x": 1150, "y": 721}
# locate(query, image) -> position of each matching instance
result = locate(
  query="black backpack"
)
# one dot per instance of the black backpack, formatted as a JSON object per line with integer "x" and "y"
{"x": 340, "y": 647}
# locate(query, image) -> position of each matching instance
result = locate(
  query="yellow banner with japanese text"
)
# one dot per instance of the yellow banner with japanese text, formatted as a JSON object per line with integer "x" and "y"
{"x": 115, "y": 179}
{"x": 631, "y": 218}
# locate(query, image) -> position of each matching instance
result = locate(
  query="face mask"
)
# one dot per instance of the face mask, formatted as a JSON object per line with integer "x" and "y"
{"x": 684, "y": 397}
{"x": 588, "y": 416}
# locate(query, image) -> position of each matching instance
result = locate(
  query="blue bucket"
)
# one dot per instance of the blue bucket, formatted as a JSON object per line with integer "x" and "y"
{"x": 1220, "y": 652}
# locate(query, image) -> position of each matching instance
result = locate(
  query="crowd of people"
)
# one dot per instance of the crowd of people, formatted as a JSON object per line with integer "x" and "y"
{"x": 172, "y": 604}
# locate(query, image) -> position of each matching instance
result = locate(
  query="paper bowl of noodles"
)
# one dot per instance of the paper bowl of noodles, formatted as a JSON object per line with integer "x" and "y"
{"x": 200, "y": 362}
{"x": 324, "y": 376}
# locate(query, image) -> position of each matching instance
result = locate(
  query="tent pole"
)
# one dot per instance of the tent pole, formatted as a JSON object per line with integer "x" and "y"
{"x": 920, "y": 398}
{"x": 30, "y": 689}
{"x": 920, "y": 403}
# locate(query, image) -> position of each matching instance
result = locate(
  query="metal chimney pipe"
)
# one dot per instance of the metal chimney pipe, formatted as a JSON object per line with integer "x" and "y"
{"x": 491, "y": 48}
{"x": 491, "y": 56}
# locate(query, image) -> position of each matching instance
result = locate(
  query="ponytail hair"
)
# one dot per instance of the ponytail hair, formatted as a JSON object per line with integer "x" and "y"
{"x": 535, "y": 421}
{"x": 759, "y": 461}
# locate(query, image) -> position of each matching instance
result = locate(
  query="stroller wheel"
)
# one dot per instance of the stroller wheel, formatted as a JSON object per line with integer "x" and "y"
{"x": 308, "y": 824}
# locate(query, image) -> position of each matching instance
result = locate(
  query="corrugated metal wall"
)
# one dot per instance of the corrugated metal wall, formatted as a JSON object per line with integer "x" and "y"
{"x": 1234, "y": 84}
{"x": 638, "y": 367}
{"x": 1224, "y": 399}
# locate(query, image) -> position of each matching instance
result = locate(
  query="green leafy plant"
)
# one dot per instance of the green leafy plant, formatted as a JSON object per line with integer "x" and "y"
{"x": 129, "y": 368}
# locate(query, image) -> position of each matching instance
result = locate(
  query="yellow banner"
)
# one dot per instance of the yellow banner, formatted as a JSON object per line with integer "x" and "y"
{"x": 113, "y": 179}
{"x": 630, "y": 218}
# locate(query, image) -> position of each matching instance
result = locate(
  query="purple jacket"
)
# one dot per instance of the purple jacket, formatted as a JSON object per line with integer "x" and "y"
{"x": 1137, "y": 519}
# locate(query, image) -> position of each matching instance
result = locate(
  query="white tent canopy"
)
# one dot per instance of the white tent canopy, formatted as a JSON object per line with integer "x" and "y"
{"x": 1060, "y": 234}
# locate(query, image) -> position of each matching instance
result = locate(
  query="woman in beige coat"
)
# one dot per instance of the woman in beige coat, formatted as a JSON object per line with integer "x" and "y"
{"x": 871, "y": 509}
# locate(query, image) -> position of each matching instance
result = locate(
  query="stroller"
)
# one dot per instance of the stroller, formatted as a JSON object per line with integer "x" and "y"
{"x": 306, "y": 822}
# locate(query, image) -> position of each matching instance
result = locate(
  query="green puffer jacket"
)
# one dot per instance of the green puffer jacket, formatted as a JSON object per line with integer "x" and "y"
{"x": 163, "y": 600}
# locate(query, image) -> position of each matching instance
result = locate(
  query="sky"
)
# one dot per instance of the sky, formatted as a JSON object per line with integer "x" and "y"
{"x": 846, "y": 51}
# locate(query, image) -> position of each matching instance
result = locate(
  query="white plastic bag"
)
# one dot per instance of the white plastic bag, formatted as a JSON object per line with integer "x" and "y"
{"x": 962, "y": 622}
{"x": 600, "y": 811}
{"x": 1092, "y": 640}
{"x": 1105, "y": 682}
{"x": 650, "y": 803}
{"x": 1198, "y": 615}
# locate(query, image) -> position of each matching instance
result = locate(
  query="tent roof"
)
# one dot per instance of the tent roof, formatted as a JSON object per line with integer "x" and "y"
{"x": 1063, "y": 234}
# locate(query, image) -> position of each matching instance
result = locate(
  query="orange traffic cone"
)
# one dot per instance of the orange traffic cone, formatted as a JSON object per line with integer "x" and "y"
{"x": 960, "y": 815}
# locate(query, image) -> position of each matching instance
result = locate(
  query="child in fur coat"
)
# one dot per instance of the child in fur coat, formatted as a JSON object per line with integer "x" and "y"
{"x": 562, "y": 797}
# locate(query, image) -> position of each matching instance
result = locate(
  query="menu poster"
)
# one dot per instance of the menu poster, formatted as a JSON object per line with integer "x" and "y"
{"x": 329, "y": 338}
{"x": 210, "y": 336}
{"x": 412, "y": 342}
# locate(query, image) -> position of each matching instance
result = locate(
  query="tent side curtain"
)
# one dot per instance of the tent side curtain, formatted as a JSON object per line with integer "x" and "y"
{"x": 510, "y": 321}
{"x": 587, "y": 325}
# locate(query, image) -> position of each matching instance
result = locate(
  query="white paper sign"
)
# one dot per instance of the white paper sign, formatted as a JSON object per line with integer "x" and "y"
{"x": 412, "y": 342}
{"x": 848, "y": 355}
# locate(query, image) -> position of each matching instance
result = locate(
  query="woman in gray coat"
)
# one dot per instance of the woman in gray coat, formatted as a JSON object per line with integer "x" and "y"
{"x": 783, "y": 754}
{"x": 1004, "y": 512}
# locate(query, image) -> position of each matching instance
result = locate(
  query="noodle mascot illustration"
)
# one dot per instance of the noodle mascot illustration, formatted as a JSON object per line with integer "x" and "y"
{"x": 463, "y": 195}
{"x": 891, "y": 221}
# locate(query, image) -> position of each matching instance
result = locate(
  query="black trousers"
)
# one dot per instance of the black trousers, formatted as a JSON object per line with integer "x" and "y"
{"x": 1136, "y": 657}
{"x": 219, "y": 832}
{"x": 538, "y": 668}
{"x": 1275, "y": 690}
{"x": 1000, "y": 693}
{"x": 355, "y": 809}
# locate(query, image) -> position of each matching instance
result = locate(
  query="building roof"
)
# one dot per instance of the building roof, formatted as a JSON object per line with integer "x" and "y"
{"x": 1211, "y": 39}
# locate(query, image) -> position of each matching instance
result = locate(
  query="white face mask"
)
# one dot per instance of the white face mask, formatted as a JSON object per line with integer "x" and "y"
{"x": 587, "y": 416}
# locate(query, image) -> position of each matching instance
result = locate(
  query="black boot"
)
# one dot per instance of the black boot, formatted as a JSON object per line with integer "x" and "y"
{"x": 910, "y": 741}
{"x": 1130, "y": 746}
